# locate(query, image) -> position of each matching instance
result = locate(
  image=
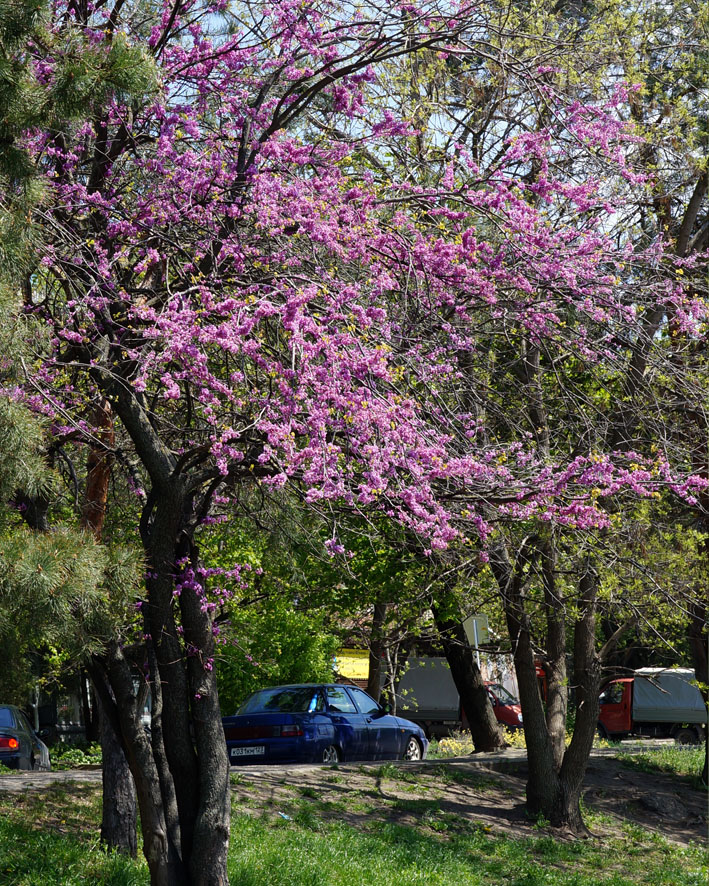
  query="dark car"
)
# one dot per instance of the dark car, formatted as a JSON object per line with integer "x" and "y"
{"x": 20, "y": 746}
{"x": 311, "y": 723}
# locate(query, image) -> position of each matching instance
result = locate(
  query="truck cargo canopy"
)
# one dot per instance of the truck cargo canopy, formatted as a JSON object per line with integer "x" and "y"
{"x": 427, "y": 688}
{"x": 666, "y": 696}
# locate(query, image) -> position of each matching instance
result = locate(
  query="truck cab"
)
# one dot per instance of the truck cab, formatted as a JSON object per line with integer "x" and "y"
{"x": 614, "y": 715}
{"x": 506, "y": 707}
{"x": 654, "y": 702}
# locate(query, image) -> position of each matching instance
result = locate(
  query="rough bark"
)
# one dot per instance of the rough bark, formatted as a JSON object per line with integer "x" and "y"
{"x": 555, "y": 659}
{"x": 98, "y": 471}
{"x": 484, "y": 728}
{"x": 162, "y": 856}
{"x": 119, "y": 812}
{"x": 554, "y": 783}
{"x": 181, "y": 783}
{"x": 118, "y": 822}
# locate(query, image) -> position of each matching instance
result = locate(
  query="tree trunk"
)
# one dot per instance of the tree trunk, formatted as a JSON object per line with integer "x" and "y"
{"x": 118, "y": 823}
{"x": 182, "y": 773}
{"x": 553, "y": 786}
{"x": 374, "y": 677}
{"x": 98, "y": 471}
{"x": 208, "y": 856}
{"x": 92, "y": 725}
{"x": 587, "y": 683}
{"x": 157, "y": 813}
{"x": 699, "y": 646}
{"x": 555, "y": 661}
{"x": 484, "y": 728}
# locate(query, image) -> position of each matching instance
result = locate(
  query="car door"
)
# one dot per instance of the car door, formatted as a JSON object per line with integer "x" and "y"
{"x": 385, "y": 734}
{"x": 614, "y": 707}
{"x": 351, "y": 727}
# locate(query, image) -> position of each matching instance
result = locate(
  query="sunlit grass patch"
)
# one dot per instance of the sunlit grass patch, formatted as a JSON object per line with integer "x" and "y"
{"x": 331, "y": 853}
{"x": 31, "y": 856}
{"x": 685, "y": 761}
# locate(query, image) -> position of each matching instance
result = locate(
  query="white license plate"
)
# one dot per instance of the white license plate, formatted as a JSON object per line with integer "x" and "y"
{"x": 256, "y": 751}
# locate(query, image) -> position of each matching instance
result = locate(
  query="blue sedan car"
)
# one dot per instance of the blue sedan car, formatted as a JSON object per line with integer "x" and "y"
{"x": 312, "y": 723}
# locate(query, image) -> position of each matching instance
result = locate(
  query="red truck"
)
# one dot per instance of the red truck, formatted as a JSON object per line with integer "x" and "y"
{"x": 427, "y": 695}
{"x": 658, "y": 702}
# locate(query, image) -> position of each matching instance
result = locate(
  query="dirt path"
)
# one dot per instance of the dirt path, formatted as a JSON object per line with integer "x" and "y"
{"x": 463, "y": 789}
{"x": 487, "y": 790}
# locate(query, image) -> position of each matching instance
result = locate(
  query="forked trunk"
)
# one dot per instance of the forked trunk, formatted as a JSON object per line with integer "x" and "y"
{"x": 555, "y": 781}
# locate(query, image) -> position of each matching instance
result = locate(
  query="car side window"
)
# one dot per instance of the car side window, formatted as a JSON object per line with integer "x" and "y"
{"x": 317, "y": 703}
{"x": 339, "y": 701}
{"x": 365, "y": 703}
{"x": 23, "y": 723}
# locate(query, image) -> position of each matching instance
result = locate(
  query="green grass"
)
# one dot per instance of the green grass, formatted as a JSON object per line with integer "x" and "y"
{"x": 50, "y": 838}
{"x": 305, "y": 837}
{"x": 683, "y": 761}
{"x": 331, "y": 853}
{"x": 29, "y": 857}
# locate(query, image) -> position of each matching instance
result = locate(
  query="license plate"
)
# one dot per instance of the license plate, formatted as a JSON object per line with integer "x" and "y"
{"x": 256, "y": 751}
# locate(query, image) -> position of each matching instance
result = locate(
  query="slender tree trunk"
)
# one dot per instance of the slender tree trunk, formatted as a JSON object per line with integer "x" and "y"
{"x": 484, "y": 728}
{"x": 92, "y": 725}
{"x": 119, "y": 819}
{"x": 699, "y": 642}
{"x": 208, "y": 857}
{"x": 374, "y": 678}
{"x": 587, "y": 682}
{"x": 555, "y": 660}
{"x": 98, "y": 471}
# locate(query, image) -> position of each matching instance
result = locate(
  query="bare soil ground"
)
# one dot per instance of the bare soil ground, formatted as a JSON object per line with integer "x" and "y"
{"x": 461, "y": 790}
{"x": 488, "y": 793}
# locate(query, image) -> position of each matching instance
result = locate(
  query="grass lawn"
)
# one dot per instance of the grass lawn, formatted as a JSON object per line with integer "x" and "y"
{"x": 384, "y": 826}
{"x": 684, "y": 761}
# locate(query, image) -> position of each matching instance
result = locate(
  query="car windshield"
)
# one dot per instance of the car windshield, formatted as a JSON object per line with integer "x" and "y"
{"x": 6, "y": 718}
{"x": 290, "y": 700}
{"x": 503, "y": 695}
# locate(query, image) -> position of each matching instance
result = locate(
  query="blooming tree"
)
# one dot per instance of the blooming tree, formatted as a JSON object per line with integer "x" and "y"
{"x": 258, "y": 305}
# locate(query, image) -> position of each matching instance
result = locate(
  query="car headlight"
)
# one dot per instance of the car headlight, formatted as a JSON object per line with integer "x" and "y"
{"x": 519, "y": 718}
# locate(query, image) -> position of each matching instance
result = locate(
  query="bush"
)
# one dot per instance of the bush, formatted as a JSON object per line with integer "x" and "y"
{"x": 72, "y": 757}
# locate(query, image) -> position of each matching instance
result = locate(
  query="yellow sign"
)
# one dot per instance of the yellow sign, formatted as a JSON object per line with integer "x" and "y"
{"x": 353, "y": 664}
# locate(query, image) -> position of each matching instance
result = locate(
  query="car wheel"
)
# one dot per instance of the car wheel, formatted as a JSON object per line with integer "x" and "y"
{"x": 687, "y": 735}
{"x": 330, "y": 754}
{"x": 413, "y": 749}
{"x": 602, "y": 732}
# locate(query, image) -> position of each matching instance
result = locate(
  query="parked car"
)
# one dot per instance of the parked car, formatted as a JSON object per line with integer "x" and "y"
{"x": 20, "y": 746}
{"x": 310, "y": 723}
